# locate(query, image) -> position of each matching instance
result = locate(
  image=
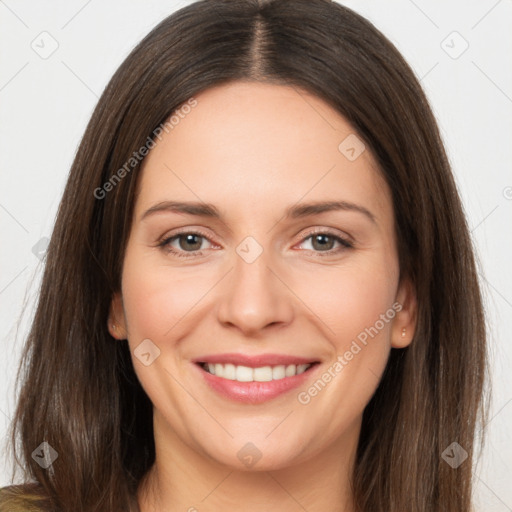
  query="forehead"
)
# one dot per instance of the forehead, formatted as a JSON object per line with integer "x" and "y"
{"x": 248, "y": 145}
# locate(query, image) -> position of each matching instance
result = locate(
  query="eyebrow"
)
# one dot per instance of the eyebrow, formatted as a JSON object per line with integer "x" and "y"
{"x": 209, "y": 210}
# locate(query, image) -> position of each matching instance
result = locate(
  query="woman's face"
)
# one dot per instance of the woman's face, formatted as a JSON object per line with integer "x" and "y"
{"x": 243, "y": 278}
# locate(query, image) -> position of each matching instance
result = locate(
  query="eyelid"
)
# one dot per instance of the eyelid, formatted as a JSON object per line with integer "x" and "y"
{"x": 165, "y": 239}
{"x": 328, "y": 231}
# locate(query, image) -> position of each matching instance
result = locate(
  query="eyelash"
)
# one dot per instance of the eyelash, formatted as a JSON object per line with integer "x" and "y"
{"x": 165, "y": 243}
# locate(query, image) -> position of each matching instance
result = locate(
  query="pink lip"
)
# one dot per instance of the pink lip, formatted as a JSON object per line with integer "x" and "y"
{"x": 253, "y": 361}
{"x": 254, "y": 392}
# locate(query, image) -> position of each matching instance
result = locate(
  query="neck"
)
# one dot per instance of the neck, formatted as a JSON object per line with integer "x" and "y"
{"x": 182, "y": 479}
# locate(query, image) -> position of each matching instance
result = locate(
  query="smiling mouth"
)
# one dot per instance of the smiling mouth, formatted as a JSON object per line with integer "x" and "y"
{"x": 267, "y": 373}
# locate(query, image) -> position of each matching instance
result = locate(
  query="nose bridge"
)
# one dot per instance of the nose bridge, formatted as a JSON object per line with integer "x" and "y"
{"x": 252, "y": 268}
{"x": 253, "y": 296}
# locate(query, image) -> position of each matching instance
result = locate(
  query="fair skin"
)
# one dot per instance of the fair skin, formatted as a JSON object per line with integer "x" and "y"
{"x": 253, "y": 150}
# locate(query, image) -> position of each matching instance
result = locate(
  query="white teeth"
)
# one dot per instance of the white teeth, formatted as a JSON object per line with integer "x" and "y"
{"x": 260, "y": 374}
{"x": 244, "y": 374}
{"x": 229, "y": 371}
{"x": 263, "y": 374}
{"x": 301, "y": 368}
{"x": 278, "y": 372}
{"x": 291, "y": 370}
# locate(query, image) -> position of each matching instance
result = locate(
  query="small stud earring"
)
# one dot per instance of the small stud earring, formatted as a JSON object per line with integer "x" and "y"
{"x": 114, "y": 326}
{"x": 403, "y": 332}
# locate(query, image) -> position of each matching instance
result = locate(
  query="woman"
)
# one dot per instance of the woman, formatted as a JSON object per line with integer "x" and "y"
{"x": 321, "y": 343}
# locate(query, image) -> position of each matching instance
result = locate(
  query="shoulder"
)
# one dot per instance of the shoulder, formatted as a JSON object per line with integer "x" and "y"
{"x": 27, "y": 497}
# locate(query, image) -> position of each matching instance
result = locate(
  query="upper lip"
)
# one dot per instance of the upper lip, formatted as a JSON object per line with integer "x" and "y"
{"x": 254, "y": 361}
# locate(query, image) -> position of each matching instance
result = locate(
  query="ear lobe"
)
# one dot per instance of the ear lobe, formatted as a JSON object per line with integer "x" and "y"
{"x": 116, "y": 319}
{"x": 404, "y": 323}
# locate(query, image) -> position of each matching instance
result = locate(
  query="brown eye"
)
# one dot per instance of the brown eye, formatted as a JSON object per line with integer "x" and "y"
{"x": 187, "y": 242}
{"x": 324, "y": 243}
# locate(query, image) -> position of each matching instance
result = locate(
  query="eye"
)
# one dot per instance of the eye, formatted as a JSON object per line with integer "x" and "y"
{"x": 191, "y": 242}
{"x": 181, "y": 243}
{"x": 322, "y": 243}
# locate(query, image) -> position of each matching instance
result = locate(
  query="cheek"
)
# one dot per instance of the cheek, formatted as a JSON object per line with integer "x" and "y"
{"x": 356, "y": 306}
{"x": 158, "y": 303}
{"x": 352, "y": 298}
{"x": 156, "y": 298}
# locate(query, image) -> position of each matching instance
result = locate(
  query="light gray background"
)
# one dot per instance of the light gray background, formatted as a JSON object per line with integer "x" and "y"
{"x": 45, "y": 104}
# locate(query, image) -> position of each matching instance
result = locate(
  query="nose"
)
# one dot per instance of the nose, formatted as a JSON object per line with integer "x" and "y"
{"x": 255, "y": 297}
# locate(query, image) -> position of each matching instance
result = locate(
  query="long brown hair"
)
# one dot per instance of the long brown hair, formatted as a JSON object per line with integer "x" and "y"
{"x": 79, "y": 390}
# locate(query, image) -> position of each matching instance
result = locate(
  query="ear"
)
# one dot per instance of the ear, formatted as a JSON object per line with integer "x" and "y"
{"x": 116, "y": 318}
{"x": 404, "y": 323}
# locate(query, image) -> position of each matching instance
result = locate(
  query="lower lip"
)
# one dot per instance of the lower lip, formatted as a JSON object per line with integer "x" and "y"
{"x": 255, "y": 392}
